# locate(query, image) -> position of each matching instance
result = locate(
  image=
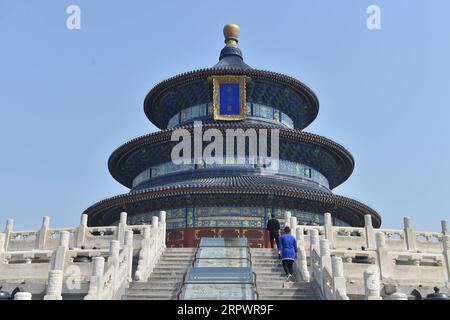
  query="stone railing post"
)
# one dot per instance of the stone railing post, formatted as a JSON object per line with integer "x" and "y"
{"x": 96, "y": 283}
{"x": 339, "y": 286}
{"x": 114, "y": 248}
{"x": 300, "y": 236}
{"x": 8, "y": 229}
{"x": 287, "y": 219}
{"x": 146, "y": 233}
{"x": 43, "y": 232}
{"x": 294, "y": 226}
{"x": 325, "y": 261}
{"x": 60, "y": 252}
{"x": 154, "y": 244}
{"x": 154, "y": 223}
{"x": 302, "y": 264}
{"x": 444, "y": 225}
{"x": 98, "y": 266}
{"x": 162, "y": 219}
{"x": 114, "y": 251}
{"x": 120, "y": 236}
{"x": 370, "y": 234}
{"x": 382, "y": 258}
{"x": 446, "y": 245}
{"x": 56, "y": 274}
{"x": 2, "y": 242}
{"x": 409, "y": 234}
{"x": 328, "y": 229}
{"x": 144, "y": 256}
{"x": 54, "y": 286}
{"x": 314, "y": 239}
{"x": 81, "y": 231}
{"x": 313, "y": 245}
{"x": 129, "y": 244}
{"x": 372, "y": 284}
{"x": 22, "y": 296}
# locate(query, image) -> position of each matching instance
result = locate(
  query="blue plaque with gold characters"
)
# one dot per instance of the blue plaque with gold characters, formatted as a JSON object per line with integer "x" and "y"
{"x": 229, "y": 101}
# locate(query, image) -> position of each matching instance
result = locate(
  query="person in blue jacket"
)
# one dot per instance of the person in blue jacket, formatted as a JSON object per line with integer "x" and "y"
{"x": 287, "y": 249}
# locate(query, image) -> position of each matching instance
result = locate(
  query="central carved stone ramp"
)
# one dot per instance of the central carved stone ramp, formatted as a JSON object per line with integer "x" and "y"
{"x": 271, "y": 279}
{"x": 165, "y": 280}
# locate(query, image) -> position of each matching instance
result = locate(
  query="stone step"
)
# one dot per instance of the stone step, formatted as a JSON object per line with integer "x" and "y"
{"x": 171, "y": 257}
{"x": 279, "y": 274}
{"x": 271, "y": 256}
{"x": 265, "y": 256}
{"x": 168, "y": 273}
{"x": 176, "y": 258}
{"x": 284, "y": 291}
{"x": 163, "y": 264}
{"x": 159, "y": 291}
{"x": 178, "y": 277}
{"x": 176, "y": 255}
{"x": 277, "y": 269}
{"x": 270, "y": 278}
{"x": 170, "y": 267}
{"x": 266, "y": 260}
{"x": 266, "y": 265}
{"x": 180, "y": 262}
{"x": 177, "y": 261}
{"x": 155, "y": 284}
{"x": 270, "y": 251}
{"x": 282, "y": 284}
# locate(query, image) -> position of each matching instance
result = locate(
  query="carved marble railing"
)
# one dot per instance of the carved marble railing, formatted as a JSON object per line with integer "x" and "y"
{"x": 152, "y": 244}
{"x": 43, "y": 260}
{"x": 108, "y": 281}
{"x": 354, "y": 238}
{"x": 327, "y": 272}
{"x": 79, "y": 237}
{"x": 399, "y": 258}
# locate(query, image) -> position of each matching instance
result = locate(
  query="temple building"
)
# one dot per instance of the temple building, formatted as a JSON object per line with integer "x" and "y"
{"x": 236, "y": 197}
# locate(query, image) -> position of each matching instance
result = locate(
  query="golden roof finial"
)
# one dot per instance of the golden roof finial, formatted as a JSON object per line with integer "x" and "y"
{"x": 231, "y": 32}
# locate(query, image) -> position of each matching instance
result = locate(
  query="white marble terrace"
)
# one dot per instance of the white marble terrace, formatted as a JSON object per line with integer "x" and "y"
{"x": 341, "y": 262}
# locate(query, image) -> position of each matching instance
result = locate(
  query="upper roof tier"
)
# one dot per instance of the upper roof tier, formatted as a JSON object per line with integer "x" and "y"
{"x": 189, "y": 96}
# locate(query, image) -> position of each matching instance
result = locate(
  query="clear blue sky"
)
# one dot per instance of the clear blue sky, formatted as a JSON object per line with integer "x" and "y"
{"x": 69, "y": 98}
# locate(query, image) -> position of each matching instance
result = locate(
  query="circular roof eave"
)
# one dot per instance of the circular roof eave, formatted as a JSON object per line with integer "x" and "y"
{"x": 154, "y": 94}
{"x": 338, "y": 151}
{"x": 351, "y": 206}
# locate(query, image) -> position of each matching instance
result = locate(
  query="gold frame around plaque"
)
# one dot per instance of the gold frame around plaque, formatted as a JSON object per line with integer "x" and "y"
{"x": 241, "y": 80}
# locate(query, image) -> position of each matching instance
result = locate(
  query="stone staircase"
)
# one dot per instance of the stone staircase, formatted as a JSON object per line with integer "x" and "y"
{"x": 271, "y": 279}
{"x": 165, "y": 281}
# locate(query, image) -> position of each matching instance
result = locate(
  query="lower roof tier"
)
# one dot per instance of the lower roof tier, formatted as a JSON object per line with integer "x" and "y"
{"x": 327, "y": 157}
{"x": 242, "y": 191}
